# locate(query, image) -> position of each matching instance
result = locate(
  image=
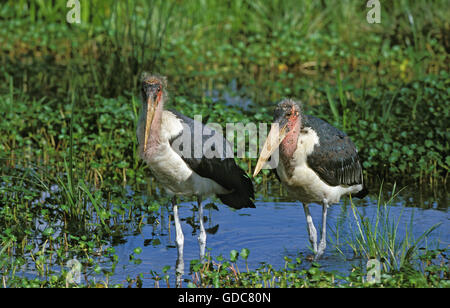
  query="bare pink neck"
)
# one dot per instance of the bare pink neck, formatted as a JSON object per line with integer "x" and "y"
{"x": 289, "y": 143}
{"x": 155, "y": 130}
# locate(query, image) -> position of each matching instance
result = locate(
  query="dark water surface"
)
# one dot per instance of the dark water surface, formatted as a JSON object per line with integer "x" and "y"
{"x": 275, "y": 229}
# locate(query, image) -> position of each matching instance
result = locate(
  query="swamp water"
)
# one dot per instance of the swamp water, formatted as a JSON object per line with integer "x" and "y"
{"x": 275, "y": 229}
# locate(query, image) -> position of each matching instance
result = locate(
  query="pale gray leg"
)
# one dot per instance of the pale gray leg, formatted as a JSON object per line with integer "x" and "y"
{"x": 311, "y": 229}
{"x": 202, "y": 235}
{"x": 179, "y": 240}
{"x": 323, "y": 239}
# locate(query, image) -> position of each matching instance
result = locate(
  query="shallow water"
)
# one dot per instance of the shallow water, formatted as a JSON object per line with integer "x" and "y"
{"x": 276, "y": 228}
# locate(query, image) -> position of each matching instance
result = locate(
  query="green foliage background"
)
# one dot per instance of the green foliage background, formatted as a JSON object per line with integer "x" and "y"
{"x": 386, "y": 84}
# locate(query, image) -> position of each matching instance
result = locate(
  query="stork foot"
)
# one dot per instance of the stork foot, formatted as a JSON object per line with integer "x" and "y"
{"x": 179, "y": 271}
{"x": 202, "y": 234}
{"x": 179, "y": 240}
{"x": 320, "y": 250}
{"x": 311, "y": 229}
{"x": 323, "y": 239}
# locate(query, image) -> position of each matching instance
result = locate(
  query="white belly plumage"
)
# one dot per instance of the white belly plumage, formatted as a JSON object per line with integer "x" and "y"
{"x": 303, "y": 183}
{"x": 176, "y": 176}
{"x": 169, "y": 168}
{"x": 306, "y": 186}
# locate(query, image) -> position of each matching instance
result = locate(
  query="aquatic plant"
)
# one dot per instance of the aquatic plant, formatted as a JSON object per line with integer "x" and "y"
{"x": 378, "y": 237}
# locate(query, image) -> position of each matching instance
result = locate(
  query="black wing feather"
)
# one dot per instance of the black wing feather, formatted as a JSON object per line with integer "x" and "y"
{"x": 215, "y": 165}
{"x": 335, "y": 159}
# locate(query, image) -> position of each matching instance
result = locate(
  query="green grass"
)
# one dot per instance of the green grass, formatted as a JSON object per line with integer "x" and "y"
{"x": 430, "y": 270}
{"x": 69, "y": 103}
{"x": 366, "y": 79}
{"x": 378, "y": 237}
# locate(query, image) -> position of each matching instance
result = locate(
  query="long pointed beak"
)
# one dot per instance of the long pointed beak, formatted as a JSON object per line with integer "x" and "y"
{"x": 275, "y": 137}
{"x": 151, "y": 107}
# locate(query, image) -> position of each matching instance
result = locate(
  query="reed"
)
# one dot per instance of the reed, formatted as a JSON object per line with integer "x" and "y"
{"x": 378, "y": 237}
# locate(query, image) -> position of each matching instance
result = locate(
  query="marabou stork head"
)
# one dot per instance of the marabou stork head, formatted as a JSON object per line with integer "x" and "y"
{"x": 153, "y": 93}
{"x": 287, "y": 116}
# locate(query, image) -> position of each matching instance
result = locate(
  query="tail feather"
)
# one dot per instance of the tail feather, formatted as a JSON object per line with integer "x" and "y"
{"x": 362, "y": 193}
{"x": 236, "y": 201}
{"x": 243, "y": 194}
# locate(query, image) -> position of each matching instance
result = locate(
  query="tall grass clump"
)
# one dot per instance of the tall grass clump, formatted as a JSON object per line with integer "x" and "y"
{"x": 379, "y": 237}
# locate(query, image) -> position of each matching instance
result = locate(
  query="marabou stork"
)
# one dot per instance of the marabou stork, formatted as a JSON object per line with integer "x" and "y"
{"x": 175, "y": 148}
{"x": 318, "y": 163}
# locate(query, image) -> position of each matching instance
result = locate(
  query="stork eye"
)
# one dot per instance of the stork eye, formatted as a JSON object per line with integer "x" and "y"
{"x": 157, "y": 85}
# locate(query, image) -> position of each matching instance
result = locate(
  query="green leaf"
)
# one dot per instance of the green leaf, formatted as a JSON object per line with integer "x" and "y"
{"x": 244, "y": 253}
{"x": 234, "y": 255}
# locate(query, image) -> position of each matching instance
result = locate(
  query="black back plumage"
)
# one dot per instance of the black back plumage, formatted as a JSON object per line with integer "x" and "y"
{"x": 335, "y": 159}
{"x": 215, "y": 163}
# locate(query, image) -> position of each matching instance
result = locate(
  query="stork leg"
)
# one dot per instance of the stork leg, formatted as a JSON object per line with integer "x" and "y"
{"x": 202, "y": 235}
{"x": 179, "y": 241}
{"x": 311, "y": 229}
{"x": 323, "y": 238}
